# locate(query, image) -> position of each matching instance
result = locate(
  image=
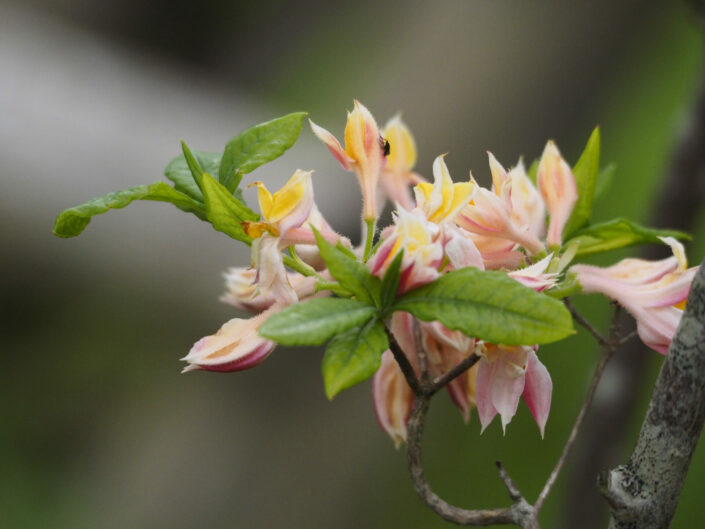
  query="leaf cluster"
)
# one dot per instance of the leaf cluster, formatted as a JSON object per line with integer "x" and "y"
{"x": 204, "y": 183}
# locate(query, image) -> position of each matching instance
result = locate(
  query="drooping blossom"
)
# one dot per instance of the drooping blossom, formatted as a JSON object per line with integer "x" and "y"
{"x": 558, "y": 189}
{"x": 363, "y": 153}
{"x": 393, "y": 398}
{"x": 236, "y": 346}
{"x": 654, "y": 292}
{"x": 397, "y": 174}
{"x": 507, "y": 373}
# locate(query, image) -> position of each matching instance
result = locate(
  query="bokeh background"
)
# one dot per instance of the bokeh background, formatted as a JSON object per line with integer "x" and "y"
{"x": 98, "y": 429}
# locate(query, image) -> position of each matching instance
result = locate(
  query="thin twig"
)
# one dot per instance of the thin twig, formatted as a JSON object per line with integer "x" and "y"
{"x": 520, "y": 513}
{"x": 406, "y": 368}
{"x": 585, "y": 323}
{"x": 421, "y": 354}
{"x": 460, "y": 368}
{"x": 512, "y": 489}
{"x": 610, "y": 349}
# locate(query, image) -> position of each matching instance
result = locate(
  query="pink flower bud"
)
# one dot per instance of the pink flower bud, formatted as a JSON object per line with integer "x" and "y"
{"x": 558, "y": 189}
{"x": 236, "y": 346}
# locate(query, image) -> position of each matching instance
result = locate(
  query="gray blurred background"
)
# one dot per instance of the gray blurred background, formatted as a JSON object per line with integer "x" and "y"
{"x": 97, "y": 427}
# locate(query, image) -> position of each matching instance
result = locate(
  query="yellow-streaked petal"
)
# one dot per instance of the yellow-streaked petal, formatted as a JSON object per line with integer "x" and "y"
{"x": 264, "y": 197}
{"x": 402, "y": 148}
{"x": 499, "y": 174}
{"x": 443, "y": 199}
{"x": 277, "y": 206}
{"x": 257, "y": 229}
{"x": 678, "y": 252}
{"x": 356, "y": 132}
{"x": 426, "y": 188}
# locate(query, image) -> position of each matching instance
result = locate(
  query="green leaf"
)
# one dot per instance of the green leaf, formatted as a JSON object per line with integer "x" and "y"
{"x": 533, "y": 171}
{"x": 490, "y": 306}
{"x": 585, "y": 173}
{"x": 618, "y": 233}
{"x": 353, "y": 356}
{"x": 314, "y": 321}
{"x": 225, "y": 212}
{"x": 72, "y": 222}
{"x": 193, "y": 165}
{"x": 604, "y": 179}
{"x": 390, "y": 282}
{"x": 178, "y": 172}
{"x": 349, "y": 272}
{"x": 257, "y": 146}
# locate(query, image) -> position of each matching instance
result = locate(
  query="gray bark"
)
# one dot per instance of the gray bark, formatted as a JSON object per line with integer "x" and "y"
{"x": 644, "y": 493}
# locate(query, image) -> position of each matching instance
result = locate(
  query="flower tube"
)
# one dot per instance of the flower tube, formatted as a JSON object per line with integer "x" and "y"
{"x": 363, "y": 153}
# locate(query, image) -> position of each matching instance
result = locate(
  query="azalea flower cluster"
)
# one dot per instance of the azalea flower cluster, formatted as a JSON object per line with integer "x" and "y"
{"x": 438, "y": 226}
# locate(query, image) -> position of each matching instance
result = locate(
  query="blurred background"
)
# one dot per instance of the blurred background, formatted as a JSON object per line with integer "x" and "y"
{"x": 98, "y": 428}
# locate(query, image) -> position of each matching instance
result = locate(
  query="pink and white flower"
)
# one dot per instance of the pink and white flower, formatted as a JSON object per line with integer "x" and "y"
{"x": 558, "y": 189}
{"x": 507, "y": 373}
{"x": 422, "y": 245}
{"x": 236, "y": 346}
{"x": 363, "y": 153}
{"x": 654, "y": 292}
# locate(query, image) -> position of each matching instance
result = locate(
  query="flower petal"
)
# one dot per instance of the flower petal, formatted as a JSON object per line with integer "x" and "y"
{"x": 558, "y": 189}
{"x": 333, "y": 146}
{"x": 538, "y": 390}
{"x": 393, "y": 399}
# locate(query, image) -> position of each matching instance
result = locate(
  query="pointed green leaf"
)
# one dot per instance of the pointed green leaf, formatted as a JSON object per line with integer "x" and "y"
{"x": 193, "y": 165}
{"x": 349, "y": 272}
{"x": 353, "y": 356}
{"x": 585, "y": 173}
{"x": 618, "y": 233}
{"x": 178, "y": 172}
{"x": 315, "y": 321}
{"x": 257, "y": 146}
{"x": 225, "y": 212}
{"x": 604, "y": 179}
{"x": 490, "y": 306}
{"x": 72, "y": 222}
{"x": 390, "y": 282}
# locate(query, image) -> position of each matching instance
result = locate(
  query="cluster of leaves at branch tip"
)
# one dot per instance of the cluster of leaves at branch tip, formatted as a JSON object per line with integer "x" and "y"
{"x": 487, "y": 305}
{"x": 215, "y": 199}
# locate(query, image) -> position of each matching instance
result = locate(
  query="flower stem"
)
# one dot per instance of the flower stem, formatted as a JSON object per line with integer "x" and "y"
{"x": 371, "y": 227}
{"x": 294, "y": 262}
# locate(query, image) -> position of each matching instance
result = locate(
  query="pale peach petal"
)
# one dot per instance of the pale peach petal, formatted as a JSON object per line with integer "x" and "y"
{"x": 558, "y": 189}
{"x": 333, "y": 146}
{"x": 393, "y": 399}
{"x": 236, "y": 346}
{"x": 483, "y": 393}
{"x": 538, "y": 391}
